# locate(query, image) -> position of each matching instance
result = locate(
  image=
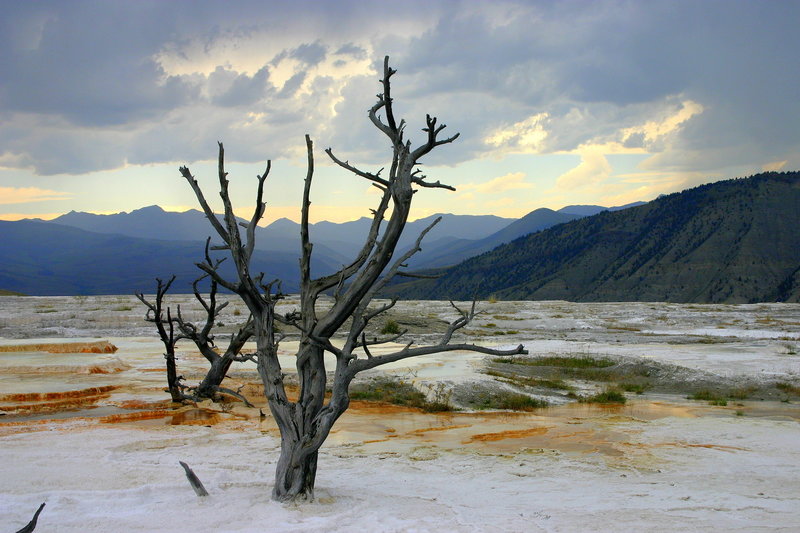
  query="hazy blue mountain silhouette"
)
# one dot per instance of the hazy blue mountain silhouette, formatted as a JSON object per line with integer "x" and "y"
{"x": 448, "y": 252}
{"x": 41, "y": 258}
{"x": 337, "y": 242}
{"x": 83, "y": 253}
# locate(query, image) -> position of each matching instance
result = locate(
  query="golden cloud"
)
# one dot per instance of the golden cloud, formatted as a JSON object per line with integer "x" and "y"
{"x": 526, "y": 136}
{"x": 507, "y": 182}
{"x": 24, "y": 195}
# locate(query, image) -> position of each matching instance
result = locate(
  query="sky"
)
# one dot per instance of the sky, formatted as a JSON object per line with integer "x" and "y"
{"x": 556, "y": 103}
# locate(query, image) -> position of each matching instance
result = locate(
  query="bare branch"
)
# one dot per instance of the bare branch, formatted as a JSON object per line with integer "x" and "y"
{"x": 435, "y": 185}
{"x": 375, "y": 341}
{"x": 305, "y": 245}
{"x": 212, "y": 218}
{"x": 235, "y": 394}
{"x": 258, "y": 212}
{"x": 346, "y": 165}
{"x": 366, "y": 364}
{"x": 433, "y": 132}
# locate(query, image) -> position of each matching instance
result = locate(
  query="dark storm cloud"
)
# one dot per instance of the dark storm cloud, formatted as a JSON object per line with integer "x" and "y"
{"x": 90, "y": 63}
{"x": 82, "y": 74}
{"x": 596, "y": 67}
{"x": 229, "y": 88}
{"x": 311, "y": 54}
{"x": 352, "y": 50}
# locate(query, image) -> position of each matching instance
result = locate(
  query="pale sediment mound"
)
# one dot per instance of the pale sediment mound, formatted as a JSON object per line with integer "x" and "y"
{"x": 63, "y": 347}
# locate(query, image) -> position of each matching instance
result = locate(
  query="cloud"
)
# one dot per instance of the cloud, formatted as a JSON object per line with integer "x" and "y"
{"x": 227, "y": 87}
{"x": 593, "y": 169}
{"x": 311, "y": 54}
{"x": 508, "y": 182}
{"x": 11, "y": 217}
{"x": 353, "y": 50}
{"x": 654, "y": 131}
{"x": 154, "y": 82}
{"x": 24, "y": 195}
{"x": 774, "y": 166}
{"x": 526, "y": 136}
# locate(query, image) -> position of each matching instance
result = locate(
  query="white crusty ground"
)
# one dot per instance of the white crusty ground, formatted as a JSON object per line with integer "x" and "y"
{"x": 715, "y": 472}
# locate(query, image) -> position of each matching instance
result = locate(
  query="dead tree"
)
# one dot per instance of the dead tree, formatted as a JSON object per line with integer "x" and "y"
{"x": 165, "y": 325}
{"x": 210, "y": 387}
{"x": 305, "y": 423}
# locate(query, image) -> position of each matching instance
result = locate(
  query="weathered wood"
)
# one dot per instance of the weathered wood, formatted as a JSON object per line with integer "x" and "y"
{"x": 194, "y": 481}
{"x": 305, "y": 424}
{"x": 201, "y": 335}
{"x": 166, "y": 331}
{"x": 32, "y": 524}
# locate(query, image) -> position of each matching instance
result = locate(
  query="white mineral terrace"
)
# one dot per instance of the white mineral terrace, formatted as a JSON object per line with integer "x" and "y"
{"x": 92, "y": 433}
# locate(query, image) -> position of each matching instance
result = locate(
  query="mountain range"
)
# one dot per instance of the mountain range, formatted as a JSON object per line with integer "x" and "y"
{"x": 84, "y": 253}
{"x": 731, "y": 241}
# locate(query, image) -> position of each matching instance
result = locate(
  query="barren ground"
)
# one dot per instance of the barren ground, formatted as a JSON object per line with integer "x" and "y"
{"x": 90, "y": 432}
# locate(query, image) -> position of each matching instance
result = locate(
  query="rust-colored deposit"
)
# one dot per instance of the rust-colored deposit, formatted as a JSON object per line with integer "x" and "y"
{"x": 46, "y": 396}
{"x": 509, "y": 434}
{"x": 132, "y": 417}
{"x": 381, "y": 408}
{"x": 422, "y": 431}
{"x": 36, "y": 402}
{"x": 63, "y": 347}
{"x": 109, "y": 367}
{"x": 142, "y": 405}
{"x": 677, "y": 444}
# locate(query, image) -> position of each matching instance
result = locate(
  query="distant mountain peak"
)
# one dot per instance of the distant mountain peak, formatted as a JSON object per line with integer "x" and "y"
{"x": 149, "y": 209}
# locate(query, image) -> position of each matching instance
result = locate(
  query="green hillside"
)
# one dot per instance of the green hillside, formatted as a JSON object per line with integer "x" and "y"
{"x": 732, "y": 241}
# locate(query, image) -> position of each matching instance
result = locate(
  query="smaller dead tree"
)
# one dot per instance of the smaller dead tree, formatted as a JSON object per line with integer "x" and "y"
{"x": 210, "y": 387}
{"x": 165, "y": 325}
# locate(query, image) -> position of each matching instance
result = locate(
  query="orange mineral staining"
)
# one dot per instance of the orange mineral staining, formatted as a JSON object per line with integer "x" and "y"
{"x": 63, "y": 347}
{"x": 439, "y": 428}
{"x": 33, "y": 402}
{"x": 509, "y": 434}
{"x": 131, "y": 417}
{"x": 46, "y": 396}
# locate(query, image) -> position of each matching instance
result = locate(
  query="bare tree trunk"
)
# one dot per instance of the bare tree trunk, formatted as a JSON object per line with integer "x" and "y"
{"x": 209, "y": 387}
{"x": 295, "y": 473}
{"x": 304, "y": 424}
{"x": 173, "y": 383}
{"x": 166, "y": 330}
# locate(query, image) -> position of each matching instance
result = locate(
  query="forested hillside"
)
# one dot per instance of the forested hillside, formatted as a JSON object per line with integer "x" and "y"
{"x": 730, "y": 241}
